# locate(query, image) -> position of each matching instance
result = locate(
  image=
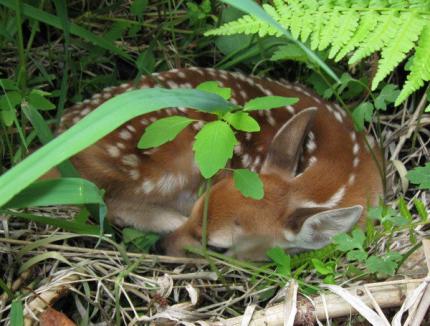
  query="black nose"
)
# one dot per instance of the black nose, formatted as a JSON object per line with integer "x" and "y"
{"x": 159, "y": 248}
{"x": 218, "y": 249}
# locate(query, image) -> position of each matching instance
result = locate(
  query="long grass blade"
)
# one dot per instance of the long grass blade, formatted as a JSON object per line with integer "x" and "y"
{"x": 109, "y": 116}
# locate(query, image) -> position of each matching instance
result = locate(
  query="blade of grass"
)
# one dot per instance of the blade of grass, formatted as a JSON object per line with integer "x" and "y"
{"x": 252, "y": 8}
{"x": 107, "y": 117}
{"x": 54, "y": 21}
{"x": 42, "y": 257}
{"x": 70, "y": 226}
{"x": 45, "y": 136}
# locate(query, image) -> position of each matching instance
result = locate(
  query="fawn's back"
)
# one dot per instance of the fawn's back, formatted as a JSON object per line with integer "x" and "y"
{"x": 318, "y": 174}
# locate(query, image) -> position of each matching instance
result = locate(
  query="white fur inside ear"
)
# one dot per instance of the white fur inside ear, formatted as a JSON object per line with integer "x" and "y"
{"x": 318, "y": 229}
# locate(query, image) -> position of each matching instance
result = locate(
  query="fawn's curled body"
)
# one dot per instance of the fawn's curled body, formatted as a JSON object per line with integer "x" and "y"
{"x": 318, "y": 174}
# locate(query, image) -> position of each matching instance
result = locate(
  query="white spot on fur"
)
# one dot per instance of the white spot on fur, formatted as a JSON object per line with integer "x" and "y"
{"x": 86, "y": 101}
{"x": 260, "y": 148}
{"x": 95, "y": 102}
{"x": 96, "y": 96}
{"x": 85, "y": 112}
{"x": 181, "y": 74}
{"x": 108, "y": 89}
{"x": 248, "y": 136}
{"x": 355, "y": 162}
{"x": 371, "y": 141}
{"x": 225, "y": 238}
{"x": 124, "y": 134}
{"x": 113, "y": 151}
{"x": 107, "y": 95}
{"x": 198, "y": 125}
{"x": 244, "y": 95}
{"x": 125, "y": 85}
{"x": 290, "y": 109}
{"x": 238, "y": 149}
{"x": 312, "y": 161}
{"x": 353, "y": 136}
{"x": 270, "y": 118}
{"x": 351, "y": 179}
{"x": 131, "y": 128}
{"x": 148, "y": 186}
{"x": 120, "y": 145}
{"x": 171, "y": 84}
{"x": 144, "y": 122}
{"x": 328, "y": 107}
{"x": 355, "y": 149}
{"x": 76, "y": 119}
{"x": 338, "y": 116}
{"x": 134, "y": 174}
{"x": 246, "y": 160}
{"x": 130, "y": 160}
{"x": 182, "y": 109}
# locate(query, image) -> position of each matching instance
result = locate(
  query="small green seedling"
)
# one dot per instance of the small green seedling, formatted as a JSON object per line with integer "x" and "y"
{"x": 214, "y": 143}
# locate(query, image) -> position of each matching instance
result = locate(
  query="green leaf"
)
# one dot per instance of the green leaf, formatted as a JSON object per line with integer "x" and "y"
{"x": 403, "y": 208}
{"x": 17, "y": 313}
{"x": 383, "y": 265}
{"x": 138, "y": 7}
{"x": 213, "y": 147}
{"x": 10, "y": 100}
{"x": 146, "y": 61}
{"x": 356, "y": 254}
{"x": 387, "y": 95}
{"x": 290, "y": 52}
{"x": 322, "y": 268}
{"x": 242, "y": 121}
{"x": 269, "y": 102}
{"x": 362, "y": 113}
{"x": 8, "y": 117}
{"x": 345, "y": 242}
{"x": 248, "y": 183}
{"x": 421, "y": 209}
{"x": 142, "y": 241}
{"x": 38, "y": 101}
{"x": 99, "y": 123}
{"x": 281, "y": 259}
{"x": 213, "y": 87}
{"x": 162, "y": 131}
{"x": 420, "y": 176}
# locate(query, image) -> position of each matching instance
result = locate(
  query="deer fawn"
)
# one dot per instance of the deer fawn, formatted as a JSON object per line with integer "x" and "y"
{"x": 317, "y": 173}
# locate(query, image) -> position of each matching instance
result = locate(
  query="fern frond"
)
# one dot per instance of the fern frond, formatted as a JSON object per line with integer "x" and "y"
{"x": 330, "y": 29}
{"x": 420, "y": 68}
{"x": 343, "y": 26}
{"x": 347, "y": 24}
{"x": 366, "y": 25}
{"x": 245, "y": 25}
{"x": 385, "y": 31}
{"x": 406, "y": 34}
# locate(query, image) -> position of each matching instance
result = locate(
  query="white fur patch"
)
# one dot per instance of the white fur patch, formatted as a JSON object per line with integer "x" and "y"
{"x": 85, "y": 112}
{"x": 355, "y": 162}
{"x": 134, "y": 174}
{"x": 246, "y": 160}
{"x": 130, "y": 160}
{"x": 113, "y": 151}
{"x": 355, "y": 149}
{"x": 148, "y": 186}
{"x": 131, "y": 128}
{"x": 225, "y": 238}
{"x": 124, "y": 134}
{"x": 351, "y": 179}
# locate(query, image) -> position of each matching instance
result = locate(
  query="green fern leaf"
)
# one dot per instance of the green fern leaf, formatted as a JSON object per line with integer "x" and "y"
{"x": 407, "y": 33}
{"x": 296, "y": 22}
{"x": 319, "y": 20}
{"x": 366, "y": 25}
{"x": 311, "y": 7}
{"x": 244, "y": 25}
{"x": 330, "y": 29}
{"x": 347, "y": 24}
{"x": 384, "y": 32}
{"x": 420, "y": 68}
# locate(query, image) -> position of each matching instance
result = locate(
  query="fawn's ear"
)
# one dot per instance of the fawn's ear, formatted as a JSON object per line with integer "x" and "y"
{"x": 286, "y": 147}
{"x": 318, "y": 229}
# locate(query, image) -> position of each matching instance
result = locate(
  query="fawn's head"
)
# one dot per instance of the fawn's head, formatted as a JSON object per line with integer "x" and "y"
{"x": 246, "y": 227}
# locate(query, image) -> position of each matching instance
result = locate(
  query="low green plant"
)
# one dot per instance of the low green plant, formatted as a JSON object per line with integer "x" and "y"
{"x": 214, "y": 143}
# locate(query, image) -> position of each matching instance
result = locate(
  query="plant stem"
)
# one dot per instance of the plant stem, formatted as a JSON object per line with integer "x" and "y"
{"x": 205, "y": 214}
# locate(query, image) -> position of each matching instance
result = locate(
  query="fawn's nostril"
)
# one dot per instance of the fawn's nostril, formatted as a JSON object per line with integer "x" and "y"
{"x": 159, "y": 248}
